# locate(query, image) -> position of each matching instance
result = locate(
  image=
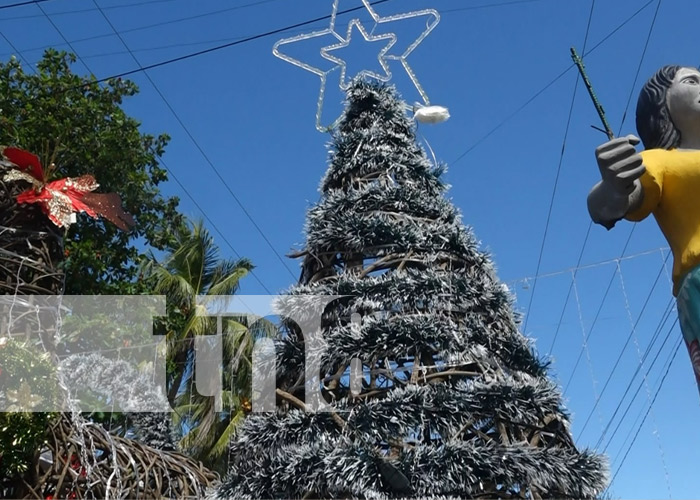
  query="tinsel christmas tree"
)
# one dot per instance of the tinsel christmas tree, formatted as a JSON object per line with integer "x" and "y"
{"x": 452, "y": 400}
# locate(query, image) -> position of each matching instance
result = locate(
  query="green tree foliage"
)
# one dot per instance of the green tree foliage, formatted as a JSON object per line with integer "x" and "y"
{"x": 194, "y": 268}
{"x": 79, "y": 125}
{"x": 27, "y": 381}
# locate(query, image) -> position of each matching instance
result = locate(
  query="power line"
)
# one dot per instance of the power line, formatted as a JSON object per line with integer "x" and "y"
{"x": 198, "y": 146}
{"x": 203, "y": 42}
{"x": 548, "y": 85}
{"x": 211, "y": 222}
{"x": 639, "y": 414}
{"x": 80, "y": 11}
{"x": 234, "y": 43}
{"x": 556, "y": 182}
{"x": 655, "y": 337}
{"x": 624, "y": 115}
{"x": 48, "y": 18}
{"x": 624, "y": 348}
{"x": 668, "y": 369}
{"x": 19, "y": 4}
{"x": 489, "y": 5}
{"x": 639, "y": 67}
{"x": 169, "y": 171}
{"x": 664, "y": 317}
{"x": 600, "y": 308}
{"x": 16, "y": 51}
{"x": 156, "y": 25}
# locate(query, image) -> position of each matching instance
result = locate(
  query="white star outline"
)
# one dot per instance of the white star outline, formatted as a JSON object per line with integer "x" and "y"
{"x": 383, "y": 56}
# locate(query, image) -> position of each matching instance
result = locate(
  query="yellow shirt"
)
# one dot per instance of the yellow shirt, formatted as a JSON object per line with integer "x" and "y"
{"x": 672, "y": 193}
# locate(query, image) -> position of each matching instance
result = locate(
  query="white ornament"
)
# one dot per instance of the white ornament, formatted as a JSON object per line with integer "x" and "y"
{"x": 431, "y": 114}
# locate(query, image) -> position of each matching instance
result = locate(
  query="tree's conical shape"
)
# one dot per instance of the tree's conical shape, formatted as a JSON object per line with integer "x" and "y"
{"x": 451, "y": 402}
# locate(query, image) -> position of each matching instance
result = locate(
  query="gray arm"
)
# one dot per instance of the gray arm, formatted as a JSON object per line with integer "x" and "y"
{"x": 620, "y": 190}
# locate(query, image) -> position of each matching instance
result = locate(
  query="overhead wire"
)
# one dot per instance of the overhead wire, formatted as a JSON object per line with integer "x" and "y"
{"x": 16, "y": 51}
{"x": 203, "y": 42}
{"x": 209, "y": 220}
{"x": 645, "y": 382}
{"x": 664, "y": 317}
{"x": 80, "y": 11}
{"x": 656, "y": 336}
{"x": 537, "y": 94}
{"x": 622, "y": 122}
{"x": 556, "y": 180}
{"x": 158, "y": 24}
{"x": 661, "y": 384}
{"x": 20, "y": 4}
{"x": 234, "y": 43}
{"x": 58, "y": 30}
{"x": 622, "y": 351}
{"x": 597, "y": 314}
{"x": 200, "y": 149}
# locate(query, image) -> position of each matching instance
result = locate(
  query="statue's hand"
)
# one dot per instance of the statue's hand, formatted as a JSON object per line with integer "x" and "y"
{"x": 620, "y": 190}
{"x": 620, "y": 164}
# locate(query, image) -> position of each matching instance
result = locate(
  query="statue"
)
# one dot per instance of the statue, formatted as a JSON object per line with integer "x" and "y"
{"x": 663, "y": 180}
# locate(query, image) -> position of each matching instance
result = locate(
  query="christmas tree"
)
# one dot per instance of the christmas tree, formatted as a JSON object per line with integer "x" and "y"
{"x": 447, "y": 399}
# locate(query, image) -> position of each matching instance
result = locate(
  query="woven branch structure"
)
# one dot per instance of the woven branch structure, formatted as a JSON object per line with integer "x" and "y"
{"x": 430, "y": 389}
{"x": 118, "y": 467}
{"x": 81, "y": 459}
{"x": 31, "y": 246}
{"x": 31, "y": 250}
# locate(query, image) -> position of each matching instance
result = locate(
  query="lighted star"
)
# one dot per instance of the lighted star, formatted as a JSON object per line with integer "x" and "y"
{"x": 433, "y": 18}
{"x": 338, "y": 42}
{"x": 355, "y": 23}
{"x": 322, "y": 74}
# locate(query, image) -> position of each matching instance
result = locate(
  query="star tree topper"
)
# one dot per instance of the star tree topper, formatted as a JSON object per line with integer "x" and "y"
{"x": 435, "y": 113}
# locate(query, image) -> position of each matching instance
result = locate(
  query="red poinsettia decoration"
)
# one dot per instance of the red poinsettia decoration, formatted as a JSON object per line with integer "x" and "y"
{"x": 61, "y": 199}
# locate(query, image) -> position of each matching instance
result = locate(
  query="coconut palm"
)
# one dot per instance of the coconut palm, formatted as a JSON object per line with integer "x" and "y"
{"x": 193, "y": 269}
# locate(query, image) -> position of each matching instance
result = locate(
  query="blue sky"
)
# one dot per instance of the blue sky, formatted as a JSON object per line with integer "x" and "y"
{"x": 501, "y": 68}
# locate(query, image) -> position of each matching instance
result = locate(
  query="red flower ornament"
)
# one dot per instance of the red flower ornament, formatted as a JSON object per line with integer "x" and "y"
{"x": 61, "y": 199}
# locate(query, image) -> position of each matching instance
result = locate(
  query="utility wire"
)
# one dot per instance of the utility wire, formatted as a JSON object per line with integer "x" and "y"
{"x": 211, "y": 222}
{"x": 664, "y": 318}
{"x": 641, "y": 384}
{"x": 80, "y": 11}
{"x": 548, "y": 85}
{"x": 622, "y": 351}
{"x": 169, "y": 171}
{"x": 556, "y": 184}
{"x": 488, "y": 5}
{"x": 234, "y": 43}
{"x": 600, "y": 308}
{"x": 199, "y": 147}
{"x": 639, "y": 67}
{"x": 203, "y": 42}
{"x": 619, "y": 467}
{"x": 158, "y": 24}
{"x": 16, "y": 51}
{"x": 622, "y": 122}
{"x": 19, "y": 4}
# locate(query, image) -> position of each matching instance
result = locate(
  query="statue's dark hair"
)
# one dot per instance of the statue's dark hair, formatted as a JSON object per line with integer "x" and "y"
{"x": 654, "y": 124}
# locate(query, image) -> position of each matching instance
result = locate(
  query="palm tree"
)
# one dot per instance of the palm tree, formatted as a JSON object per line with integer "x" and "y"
{"x": 192, "y": 269}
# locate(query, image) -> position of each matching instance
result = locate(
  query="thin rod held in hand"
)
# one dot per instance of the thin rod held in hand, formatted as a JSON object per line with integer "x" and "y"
{"x": 601, "y": 112}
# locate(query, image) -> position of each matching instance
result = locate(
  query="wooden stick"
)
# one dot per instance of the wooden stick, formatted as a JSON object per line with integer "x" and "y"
{"x": 601, "y": 112}
{"x": 302, "y": 406}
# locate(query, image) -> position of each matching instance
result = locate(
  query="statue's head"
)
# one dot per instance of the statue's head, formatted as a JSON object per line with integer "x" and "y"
{"x": 668, "y": 107}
